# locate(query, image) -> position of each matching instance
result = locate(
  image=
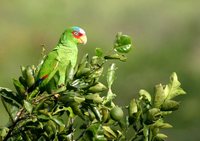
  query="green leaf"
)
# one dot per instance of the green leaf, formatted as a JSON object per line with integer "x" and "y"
{"x": 99, "y": 52}
{"x": 160, "y": 96}
{"x": 19, "y": 87}
{"x": 94, "y": 97}
{"x": 160, "y": 124}
{"x": 94, "y": 133}
{"x": 95, "y": 75}
{"x": 3, "y": 131}
{"x": 51, "y": 128}
{"x": 77, "y": 110}
{"x": 99, "y": 87}
{"x": 42, "y": 138}
{"x": 68, "y": 97}
{"x": 28, "y": 106}
{"x": 10, "y": 96}
{"x": 110, "y": 96}
{"x": 10, "y": 108}
{"x": 96, "y": 112}
{"x": 170, "y": 105}
{"x": 109, "y": 133}
{"x": 43, "y": 117}
{"x": 161, "y": 136}
{"x": 82, "y": 65}
{"x": 173, "y": 88}
{"x": 23, "y": 71}
{"x": 165, "y": 113}
{"x": 153, "y": 115}
{"x": 145, "y": 95}
{"x": 59, "y": 121}
{"x": 79, "y": 84}
{"x": 132, "y": 109}
{"x": 122, "y": 43}
{"x": 111, "y": 74}
{"x": 69, "y": 73}
{"x": 67, "y": 109}
{"x": 79, "y": 99}
{"x": 105, "y": 114}
{"x": 34, "y": 93}
{"x": 29, "y": 77}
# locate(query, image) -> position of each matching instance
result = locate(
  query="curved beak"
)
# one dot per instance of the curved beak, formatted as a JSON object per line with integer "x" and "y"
{"x": 82, "y": 40}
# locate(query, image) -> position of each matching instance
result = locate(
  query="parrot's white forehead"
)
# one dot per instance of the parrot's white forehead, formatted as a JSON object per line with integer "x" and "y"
{"x": 78, "y": 29}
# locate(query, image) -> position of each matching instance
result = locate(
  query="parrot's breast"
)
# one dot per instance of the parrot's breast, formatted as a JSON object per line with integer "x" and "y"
{"x": 67, "y": 55}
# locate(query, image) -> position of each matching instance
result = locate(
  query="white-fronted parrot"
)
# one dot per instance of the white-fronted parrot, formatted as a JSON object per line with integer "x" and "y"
{"x": 52, "y": 74}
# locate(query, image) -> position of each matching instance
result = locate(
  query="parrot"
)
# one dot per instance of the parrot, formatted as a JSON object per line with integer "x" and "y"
{"x": 51, "y": 76}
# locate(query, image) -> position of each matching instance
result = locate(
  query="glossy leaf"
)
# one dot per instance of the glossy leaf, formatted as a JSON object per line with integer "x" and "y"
{"x": 99, "y": 52}
{"x": 99, "y": 87}
{"x": 110, "y": 96}
{"x": 109, "y": 132}
{"x": 28, "y": 106}
{"x": 132, "y": 109}
{"x": 82, "y": 65}
{"x": 79, "y": 99}
{"x": 3, "y": 132}
{"x": 19, "y": 87}
{"x": 59, "y": 121}
{"x": 94, "y": 133}
{"x": 111, "y": 75}
{"x": 161, "y": 124}
{"x": 145, "y": 95}
{"x": 69, "y": 73}
{"x": 105, "y": 114}
{"x": 170, "y": 105}
{"x": 122, "y": 43}
{"x": 153, "y": 114}
{"x": 10, "y": 96}
{"x": 160, "y": 96}
{"x": 94, "y": 97}
{"x": 29, "y": 76}
{"x": 161, "y": 136}
{"x": 173, "y": 89}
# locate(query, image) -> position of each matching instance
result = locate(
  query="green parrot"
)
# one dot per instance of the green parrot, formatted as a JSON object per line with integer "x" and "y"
{"x": 52, "y": 74}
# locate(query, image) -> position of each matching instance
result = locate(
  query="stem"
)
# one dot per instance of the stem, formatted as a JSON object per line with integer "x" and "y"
{"x": 11, "y": 129}
{"x": 6, "y": 108}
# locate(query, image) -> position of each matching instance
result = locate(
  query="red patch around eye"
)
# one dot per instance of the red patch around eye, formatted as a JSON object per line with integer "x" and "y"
{"x": 77, "y": 34}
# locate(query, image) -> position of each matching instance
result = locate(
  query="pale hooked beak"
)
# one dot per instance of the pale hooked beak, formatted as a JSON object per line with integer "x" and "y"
{"x": 82, "y": 40}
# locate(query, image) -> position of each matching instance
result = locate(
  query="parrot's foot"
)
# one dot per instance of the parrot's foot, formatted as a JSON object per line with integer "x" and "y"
{"x": 61, "y": 85}
{"x": 56, "y": 95}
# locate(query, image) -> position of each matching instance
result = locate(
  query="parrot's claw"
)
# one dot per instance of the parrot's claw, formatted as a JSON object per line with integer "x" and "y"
{"x": 56, "y": 95}
{"x": 61, "y": 85}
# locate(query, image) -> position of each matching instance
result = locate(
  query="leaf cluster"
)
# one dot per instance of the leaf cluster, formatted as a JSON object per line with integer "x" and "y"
{"x": 86, "y": 109}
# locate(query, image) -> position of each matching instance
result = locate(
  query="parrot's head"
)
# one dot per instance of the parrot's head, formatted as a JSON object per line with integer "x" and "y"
{"x": 74, "y": 34}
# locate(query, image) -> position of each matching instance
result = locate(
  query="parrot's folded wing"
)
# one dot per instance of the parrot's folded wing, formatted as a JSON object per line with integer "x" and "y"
{"x": 48, "y": 69}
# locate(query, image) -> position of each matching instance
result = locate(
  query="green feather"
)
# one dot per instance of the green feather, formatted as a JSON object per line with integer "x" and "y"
{"x": 51, "y": 75}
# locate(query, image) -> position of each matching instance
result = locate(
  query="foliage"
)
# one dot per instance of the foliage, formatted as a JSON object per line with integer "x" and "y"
{"x": 86, "y": 110}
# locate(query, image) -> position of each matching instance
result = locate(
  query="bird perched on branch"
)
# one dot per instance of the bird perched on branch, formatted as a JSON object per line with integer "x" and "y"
{"x": 52, "y": 73}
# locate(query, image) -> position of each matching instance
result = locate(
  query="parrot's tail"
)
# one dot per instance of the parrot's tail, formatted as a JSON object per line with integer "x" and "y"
{"x": 37, "y": 83}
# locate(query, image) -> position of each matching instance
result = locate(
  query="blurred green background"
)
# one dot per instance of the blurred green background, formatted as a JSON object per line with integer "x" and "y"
{"x": 166, "y": 36}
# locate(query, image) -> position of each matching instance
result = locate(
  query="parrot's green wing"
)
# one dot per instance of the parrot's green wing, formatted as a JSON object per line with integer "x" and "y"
{"x": 52, "y": 73}
{"x": 48, "y": 69}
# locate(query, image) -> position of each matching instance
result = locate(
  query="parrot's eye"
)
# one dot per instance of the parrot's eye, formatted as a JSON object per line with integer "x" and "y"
{"x": 77, "y": 34}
